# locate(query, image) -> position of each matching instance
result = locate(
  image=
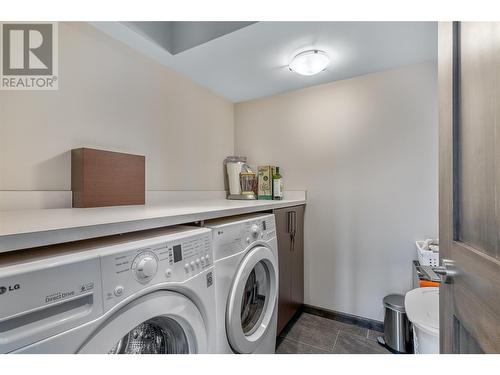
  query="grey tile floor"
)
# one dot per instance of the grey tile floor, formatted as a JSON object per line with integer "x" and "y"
{"x": 313, "y": 334}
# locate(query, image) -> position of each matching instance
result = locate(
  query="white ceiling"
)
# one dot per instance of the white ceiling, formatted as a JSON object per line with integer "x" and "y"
{"x": 252, "y": 62}
{"x": 179, "y": 36}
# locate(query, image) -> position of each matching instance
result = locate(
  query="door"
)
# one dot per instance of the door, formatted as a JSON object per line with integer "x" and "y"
{"x": 297, "y": 249}
{"x": 285, "y": 309}
{"x": 290, "y": 233}
{"x": 469, "y": 218}
{"x": 159, "y": 323}
{"x": 252, "y": 300}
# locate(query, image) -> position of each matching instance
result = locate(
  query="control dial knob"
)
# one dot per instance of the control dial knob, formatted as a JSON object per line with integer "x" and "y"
{"x": 255, "y": 230}
{"x": 145, "y": 266}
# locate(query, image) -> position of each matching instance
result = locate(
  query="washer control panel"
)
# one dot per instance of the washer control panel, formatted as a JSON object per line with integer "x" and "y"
{"x": 170, "y": 258}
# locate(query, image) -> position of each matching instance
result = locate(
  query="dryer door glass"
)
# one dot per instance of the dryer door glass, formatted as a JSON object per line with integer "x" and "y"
{"x": 251, "y": 307}
{"x": 160, "y": 335}
{"x": 255, "y": 297}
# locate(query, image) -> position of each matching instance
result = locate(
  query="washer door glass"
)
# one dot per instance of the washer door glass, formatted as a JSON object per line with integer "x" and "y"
{"x": 160, "y": 335}
{"x": 162, "y": 322}
{"x": 255, "y": 297}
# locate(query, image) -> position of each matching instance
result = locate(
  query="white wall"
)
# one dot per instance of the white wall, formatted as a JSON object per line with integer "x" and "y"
{"x": 364, "y": 148}
{"x": 112, "y": 97}
{"x": 366, "y": 151}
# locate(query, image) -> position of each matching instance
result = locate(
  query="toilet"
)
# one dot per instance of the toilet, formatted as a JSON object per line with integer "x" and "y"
{"x": 422, "y": 309}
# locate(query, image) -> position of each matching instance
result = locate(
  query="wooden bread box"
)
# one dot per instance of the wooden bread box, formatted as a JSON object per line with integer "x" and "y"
{"x": 104, "y": 178}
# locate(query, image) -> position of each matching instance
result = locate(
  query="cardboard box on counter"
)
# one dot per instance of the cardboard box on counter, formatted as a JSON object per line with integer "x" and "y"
{"x": 265, "y": 182}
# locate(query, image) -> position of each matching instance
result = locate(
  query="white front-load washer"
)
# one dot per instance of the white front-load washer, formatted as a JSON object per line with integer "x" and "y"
{"x": 246, "y": 268}
{"x": 144, "y": 292}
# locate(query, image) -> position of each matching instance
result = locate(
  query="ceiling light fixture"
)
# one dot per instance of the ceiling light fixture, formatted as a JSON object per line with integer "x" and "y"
{"x": 309, "y": 62}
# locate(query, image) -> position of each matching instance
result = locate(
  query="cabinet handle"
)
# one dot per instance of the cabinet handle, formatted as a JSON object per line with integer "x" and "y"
{"x": 293, "y": 222}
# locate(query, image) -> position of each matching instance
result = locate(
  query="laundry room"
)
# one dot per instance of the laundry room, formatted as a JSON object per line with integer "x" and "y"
{"x": 319, "y": 189}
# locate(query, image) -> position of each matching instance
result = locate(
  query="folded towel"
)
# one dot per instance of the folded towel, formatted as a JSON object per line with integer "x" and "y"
{"x": 431, "y": 244}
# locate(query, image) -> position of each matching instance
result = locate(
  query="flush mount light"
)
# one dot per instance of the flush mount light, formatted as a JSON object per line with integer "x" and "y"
{"x": 309, "y": 62}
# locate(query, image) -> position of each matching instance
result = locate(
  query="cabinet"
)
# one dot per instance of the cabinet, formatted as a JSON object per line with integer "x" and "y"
{"x": 290, "y": 233}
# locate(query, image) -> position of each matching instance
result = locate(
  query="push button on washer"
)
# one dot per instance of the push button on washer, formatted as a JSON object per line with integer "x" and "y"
{"x": 119, "y": 291}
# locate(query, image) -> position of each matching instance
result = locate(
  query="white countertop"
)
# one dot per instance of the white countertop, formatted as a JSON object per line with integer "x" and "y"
{"x": 20, "y": 229}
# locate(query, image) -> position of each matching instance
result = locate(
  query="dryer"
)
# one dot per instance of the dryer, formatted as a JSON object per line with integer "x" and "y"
{"x": 147, "y": 292}
{"x": 246, "y": 267}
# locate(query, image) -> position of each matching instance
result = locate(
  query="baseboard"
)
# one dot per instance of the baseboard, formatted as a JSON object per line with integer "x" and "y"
{"x": 374, "y": 325}
{"x": 281, "y": 335}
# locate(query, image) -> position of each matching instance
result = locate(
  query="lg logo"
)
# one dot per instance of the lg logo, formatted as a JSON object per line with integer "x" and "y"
{"x": 10, "y": 288}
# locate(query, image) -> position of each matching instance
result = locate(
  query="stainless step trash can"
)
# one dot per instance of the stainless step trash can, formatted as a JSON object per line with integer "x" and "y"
{"x": 397, "y": 328}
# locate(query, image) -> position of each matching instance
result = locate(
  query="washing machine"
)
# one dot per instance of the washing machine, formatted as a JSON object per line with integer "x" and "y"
{"x": 145, "y": 292}
{"x": 246, "y": 268}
